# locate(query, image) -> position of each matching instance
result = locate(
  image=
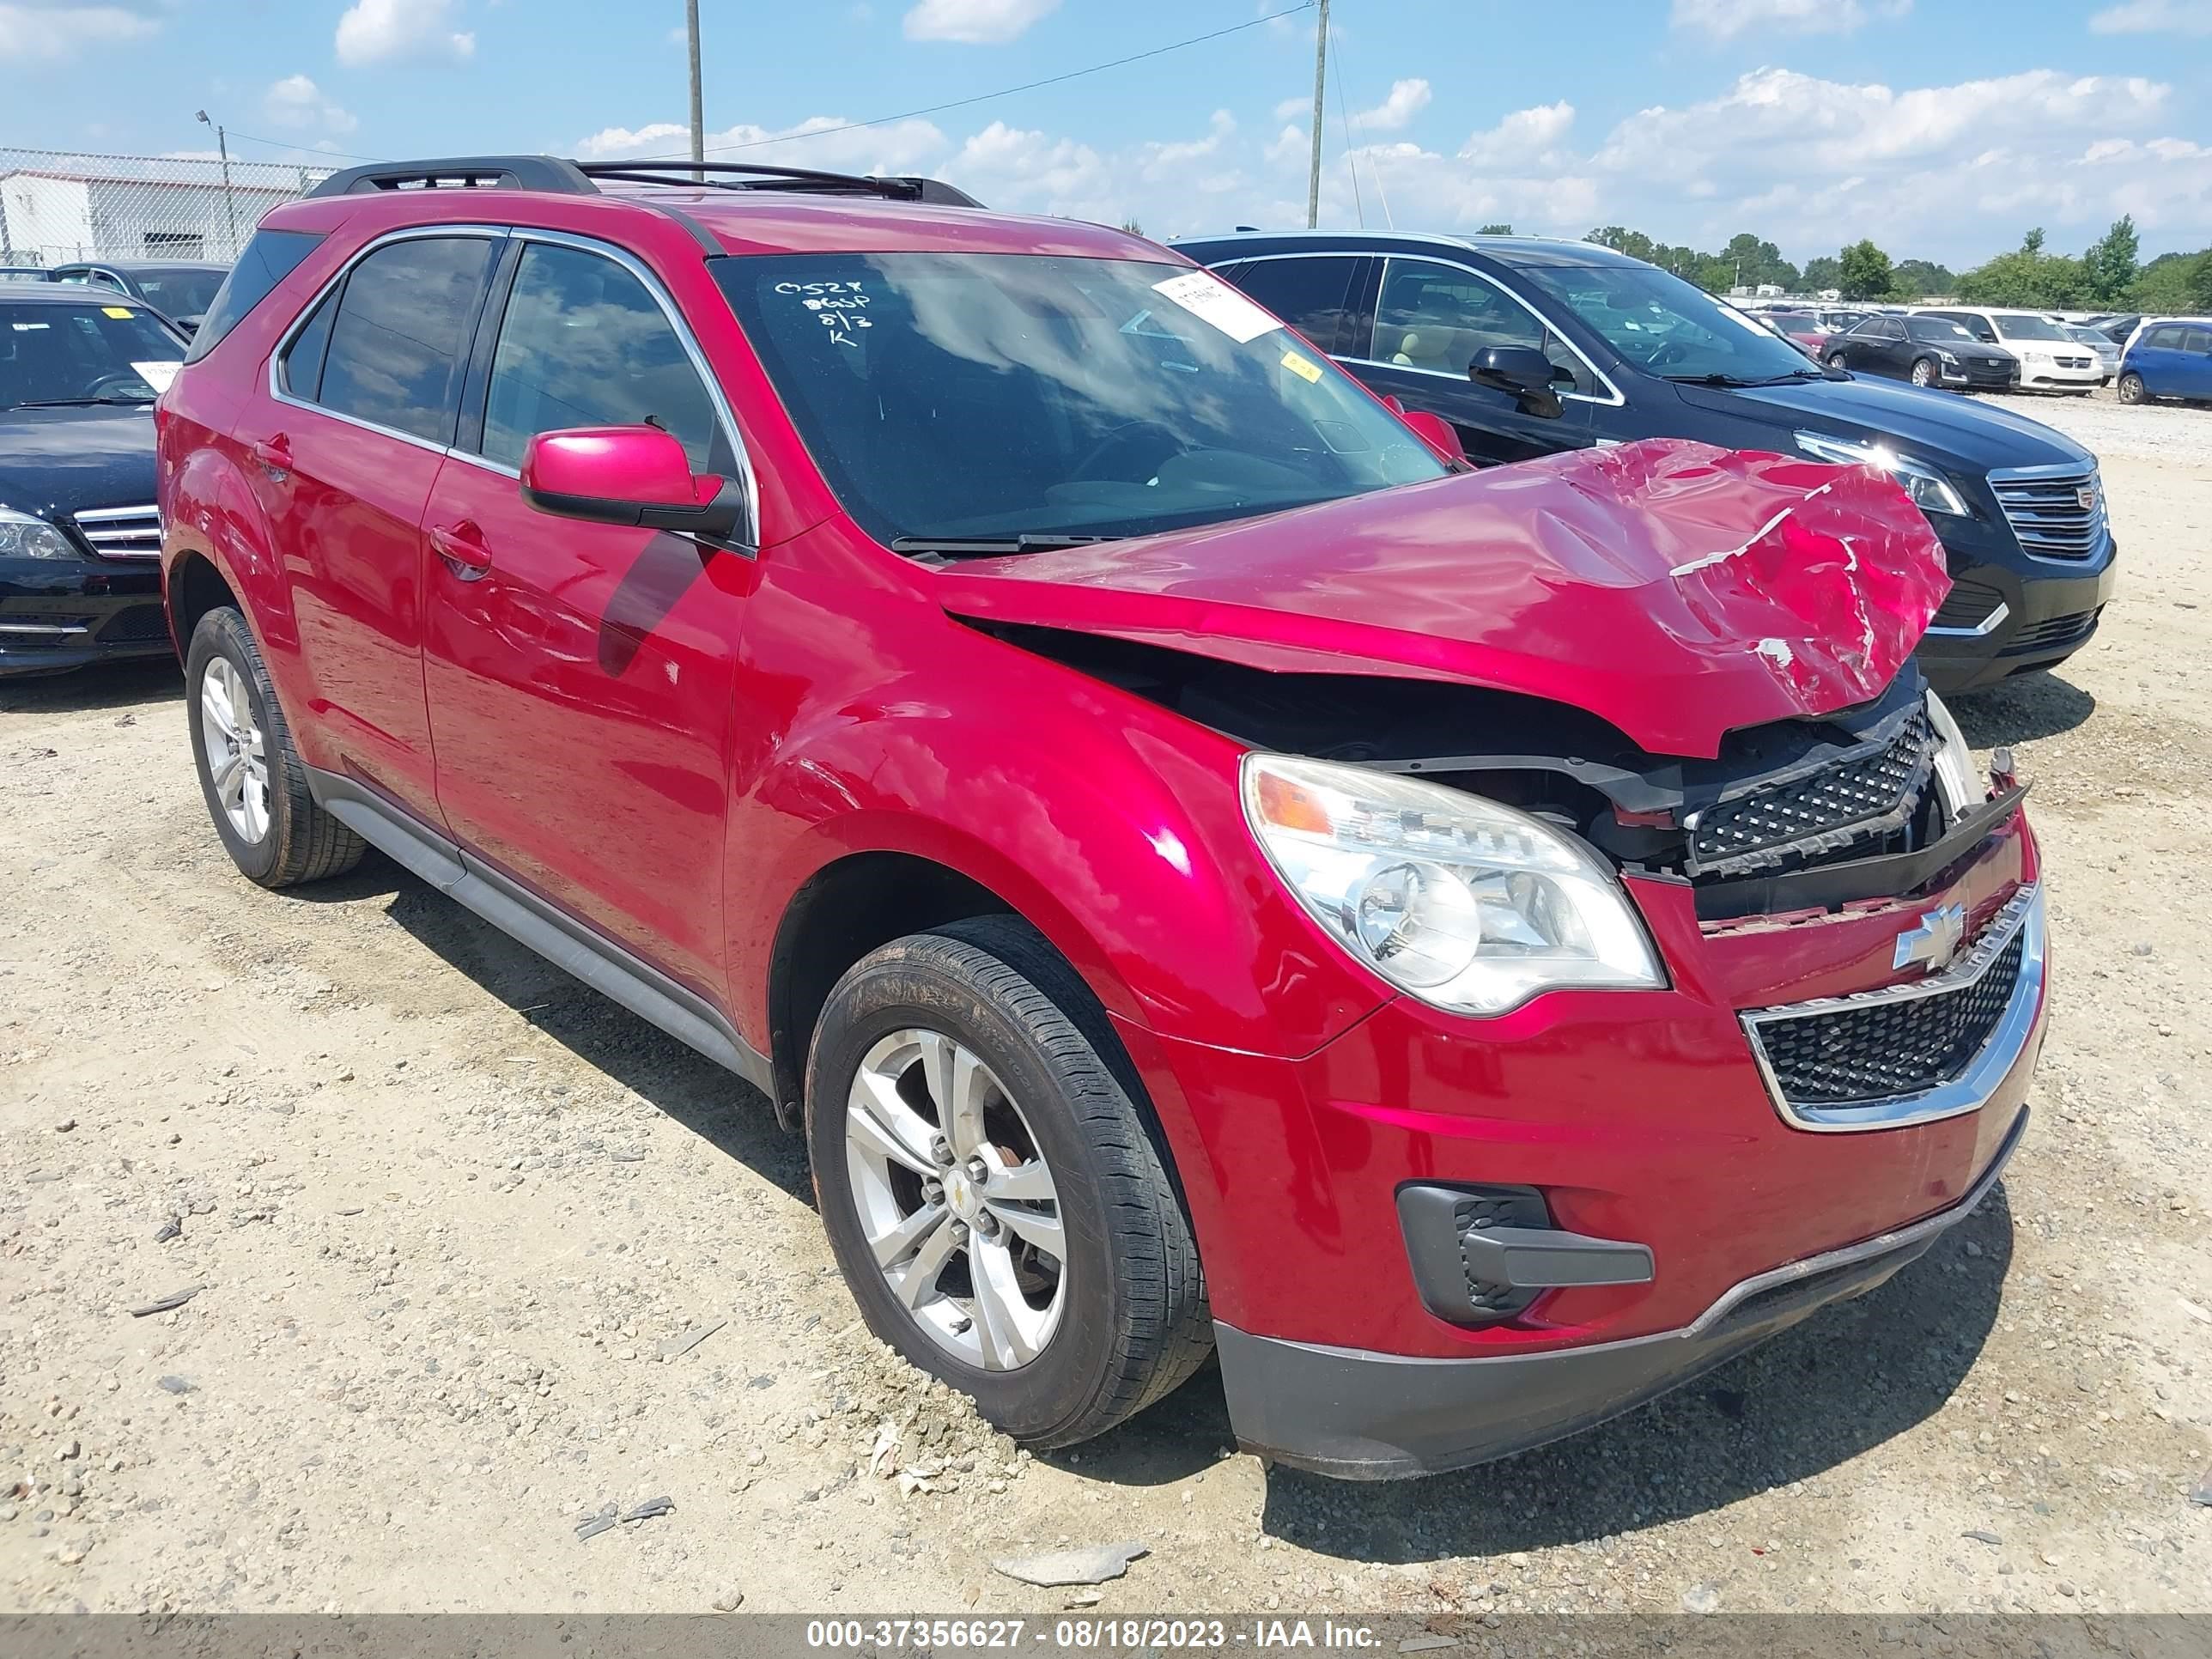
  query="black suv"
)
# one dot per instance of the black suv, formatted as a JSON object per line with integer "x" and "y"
{"x": 1529, "y": 346}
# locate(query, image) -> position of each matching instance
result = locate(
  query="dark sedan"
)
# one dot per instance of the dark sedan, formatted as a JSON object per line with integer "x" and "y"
{"x": 80, "y": 580}
{"x": 1925, "y": 351}
{"x": 180, "y": 289}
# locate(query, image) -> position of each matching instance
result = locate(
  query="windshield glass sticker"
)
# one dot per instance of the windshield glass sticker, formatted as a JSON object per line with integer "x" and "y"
{"x": 115, "y": 311}
{"x": 156, "y": 374}
{"x": 1304, "y": 368}
{"x": 841, "y": 307}
{"x": 1207, "y": 298}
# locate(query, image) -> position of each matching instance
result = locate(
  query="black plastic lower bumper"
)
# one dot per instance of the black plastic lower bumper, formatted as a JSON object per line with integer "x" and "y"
{"x": 55, "y": 615}
{"x": 1364, "y": 1416}
{"x": 2040, "y": 619}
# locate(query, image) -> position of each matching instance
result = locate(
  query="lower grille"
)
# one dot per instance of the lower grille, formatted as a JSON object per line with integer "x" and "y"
{"x": 141, "y": 624}
{"x": 1967, "y": 605}
{"x": 1903, "y": 1043}
{"x": 121, "y": 532}
{"x": 2054, "y": 631}
{"x": 1504, "y": 1207}
{"x": 1862, "y": 791}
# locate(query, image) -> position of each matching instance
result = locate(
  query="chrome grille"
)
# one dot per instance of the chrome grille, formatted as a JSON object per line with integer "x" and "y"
{"x": 121, "y": 532}
{"x": 2046, "y": 513}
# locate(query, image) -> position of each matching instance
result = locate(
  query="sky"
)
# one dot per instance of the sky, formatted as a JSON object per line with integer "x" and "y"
{"x": 1943, "y": 129}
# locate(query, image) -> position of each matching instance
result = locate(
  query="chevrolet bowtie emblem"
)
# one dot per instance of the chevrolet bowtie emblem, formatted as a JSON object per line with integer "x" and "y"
{"x": 1935, "y": 941}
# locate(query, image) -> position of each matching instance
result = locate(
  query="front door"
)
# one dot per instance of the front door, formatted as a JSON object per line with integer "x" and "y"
{"x": 1430, "y": 319}
{"x": 580, "y": 675}
{"x": 343, "y": 459}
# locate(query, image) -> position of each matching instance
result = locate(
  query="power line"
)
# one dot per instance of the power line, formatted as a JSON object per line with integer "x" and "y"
{"x": 1004, "y": 92}
{"x": 303, "y": 149}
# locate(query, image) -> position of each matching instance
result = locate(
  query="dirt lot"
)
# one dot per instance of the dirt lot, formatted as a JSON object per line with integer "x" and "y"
{"x": 453, "y": 1215}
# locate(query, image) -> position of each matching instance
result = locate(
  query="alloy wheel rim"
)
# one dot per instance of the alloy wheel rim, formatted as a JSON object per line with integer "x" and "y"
{"x": 231, "y": 741}
{"x": 958, "y": 1206}
{"x": 1921, "y": 374}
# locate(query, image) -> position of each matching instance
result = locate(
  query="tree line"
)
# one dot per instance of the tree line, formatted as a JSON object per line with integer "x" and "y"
{"x": 2109, "y": 275}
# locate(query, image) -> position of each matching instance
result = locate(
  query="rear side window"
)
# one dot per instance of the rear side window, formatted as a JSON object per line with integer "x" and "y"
{"x": 302, "y": 366}
{"x": 1307, "y": 294}
{"x": 398, "y": 337}
{"x": 269, "y": 258}
{"x": 2197, "y": 339}
{"x": 584, "y": 343}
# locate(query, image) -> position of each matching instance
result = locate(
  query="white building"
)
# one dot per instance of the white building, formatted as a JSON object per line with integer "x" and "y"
{"x": 56, "y": 207}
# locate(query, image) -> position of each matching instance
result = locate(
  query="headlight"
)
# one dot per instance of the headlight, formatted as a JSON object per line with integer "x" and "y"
{"x": 22, "y": 537}
{"x": 1929, "y": 489}
{"x": 1469, "y": 905}
{"x": 1949, "y": 360}
{"x": 1954, "y": 762}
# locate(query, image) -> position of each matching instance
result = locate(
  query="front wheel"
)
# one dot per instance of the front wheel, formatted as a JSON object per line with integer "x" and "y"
{"x": 2132, "y": 390}
{"x": 989, "y": 1187}
{"x": 1836, "y": 359}
{"x": 1924, "y": 372}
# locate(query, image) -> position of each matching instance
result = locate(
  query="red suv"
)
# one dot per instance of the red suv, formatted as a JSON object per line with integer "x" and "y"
{"x": 1203, "y": 869}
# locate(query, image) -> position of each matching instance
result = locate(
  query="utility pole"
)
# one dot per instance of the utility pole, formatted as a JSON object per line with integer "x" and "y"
{"x": 698, "y": 104}
{"x": 1321, "y": 78}
{"x": 229, "y": 200}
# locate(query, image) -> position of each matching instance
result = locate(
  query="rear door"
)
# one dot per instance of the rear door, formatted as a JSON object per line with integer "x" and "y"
{"x": 362, "y": 406}
{"x": 1431, "y": 318}
{"x": 2193, "y": 372}
{"x": 580, "y": 675}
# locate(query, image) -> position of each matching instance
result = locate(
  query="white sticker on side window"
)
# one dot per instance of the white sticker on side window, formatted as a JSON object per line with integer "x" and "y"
{"x": 1208, "y": 297}
{"x": 157, "y": 375}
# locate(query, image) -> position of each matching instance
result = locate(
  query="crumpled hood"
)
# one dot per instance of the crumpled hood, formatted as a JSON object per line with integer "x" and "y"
{"x": 1675, "y": 589}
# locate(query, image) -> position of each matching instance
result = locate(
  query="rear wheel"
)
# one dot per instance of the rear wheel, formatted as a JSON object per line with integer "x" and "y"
{"x": 1836, "y": 359}
{"x": 254, "y": 781}
{"x": 2132, "y": 390}
{"x": 1924, "y": 372}
{"x": 990, "y": 1189}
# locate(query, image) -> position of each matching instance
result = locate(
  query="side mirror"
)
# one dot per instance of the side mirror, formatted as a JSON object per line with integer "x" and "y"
{"x": 1522, "y": 373}
{"x": 1438, "y": 433}
{"x": 629, "y": 475}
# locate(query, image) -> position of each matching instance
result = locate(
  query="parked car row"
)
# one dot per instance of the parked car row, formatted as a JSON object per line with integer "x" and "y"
{"x": 1204, "y": 867}
{"x": 177, "y": 290}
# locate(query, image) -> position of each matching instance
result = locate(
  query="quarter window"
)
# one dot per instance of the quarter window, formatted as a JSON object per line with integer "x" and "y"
{"x": 397, "y": 339}
{"x": 2197, "y": 339}
{"x": 1307, "y": 294}
{"x": 583, "y": 343}
{"x": 1437, "y": 316}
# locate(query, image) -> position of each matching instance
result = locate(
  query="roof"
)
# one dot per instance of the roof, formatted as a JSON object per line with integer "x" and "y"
{"x": 1506, "y": 250}
{"x": 32, "y": 287}
{"x": 128, "y": 266}
{"x": 787, "y": 222}
{"x": 82, "y": 167}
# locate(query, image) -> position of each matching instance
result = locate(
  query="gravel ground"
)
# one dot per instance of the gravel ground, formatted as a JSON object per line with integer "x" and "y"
{"x": 478, "y": 1255}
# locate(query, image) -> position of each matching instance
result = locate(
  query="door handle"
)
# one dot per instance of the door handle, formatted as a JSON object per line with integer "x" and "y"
{"x": 275, "y": 455}
{"x": 462, "y": 547}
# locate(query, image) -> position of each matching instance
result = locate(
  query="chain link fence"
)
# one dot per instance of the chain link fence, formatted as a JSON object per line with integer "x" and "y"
{"x": 61, "y": 207}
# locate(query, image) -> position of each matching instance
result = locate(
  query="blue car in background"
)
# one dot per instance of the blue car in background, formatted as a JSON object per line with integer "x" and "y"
{"x": 2171, "y": 358}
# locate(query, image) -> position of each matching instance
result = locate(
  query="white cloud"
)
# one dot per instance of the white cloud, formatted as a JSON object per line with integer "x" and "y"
{"x": 1407, "y": 99}
{"x": 34, "y": 32}
{"x": 1725, "y": 19}
{"x": 908, "y": 146}
{"x": 296, "y": 101}
{"x": 1290, "y": 109}
{"x": 975, "y": 22}
{"x": 379, "y": 31}
{"x": 1525, "y": 136}
{"x": 2155, "y": 17}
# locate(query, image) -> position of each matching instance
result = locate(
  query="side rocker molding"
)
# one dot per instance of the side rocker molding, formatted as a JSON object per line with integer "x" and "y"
{"x": 530, "y": 919}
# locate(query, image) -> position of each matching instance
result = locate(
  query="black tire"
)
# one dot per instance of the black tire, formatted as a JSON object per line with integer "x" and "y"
{"x": 2132, "y": 390}
{"x": 1136, "y": 1325}
{"x": 1924, "y": 372}
{"x": 1836, "y": 361}
{"x": 302, "y": 843}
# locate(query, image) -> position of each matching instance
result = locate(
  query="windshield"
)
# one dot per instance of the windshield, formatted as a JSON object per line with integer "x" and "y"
{"x": 184, "y": 291}
{"x": 83, "y": 353}
{"x": 1938, "y": 328}
{"x": 1663, "y": 325}
{"x": 980, "y": 396}
{"x": 2028, "y": 328}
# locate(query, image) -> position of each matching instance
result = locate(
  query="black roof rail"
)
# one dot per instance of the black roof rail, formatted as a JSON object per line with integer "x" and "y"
{"x": 753, "y": 176}
{"x": 542, "y": 172}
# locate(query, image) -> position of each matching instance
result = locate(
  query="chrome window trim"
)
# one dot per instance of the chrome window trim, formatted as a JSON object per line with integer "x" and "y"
{"x": 677, "y": 321}
{"x": 277, "y": 391}
{"x": 1988, "y": 625}
{"x": 622, "y": 256}
{"x": 2022, "y": 916}
{"x": 1614, "y": 401}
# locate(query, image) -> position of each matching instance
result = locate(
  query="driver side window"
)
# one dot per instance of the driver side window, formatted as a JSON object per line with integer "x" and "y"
{"x": 1436, "y": 317}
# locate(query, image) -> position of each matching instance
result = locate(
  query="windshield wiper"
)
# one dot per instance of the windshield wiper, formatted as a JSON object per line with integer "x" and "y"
{"x": 76, "y": 402}
{"x": 988, "y": 547}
